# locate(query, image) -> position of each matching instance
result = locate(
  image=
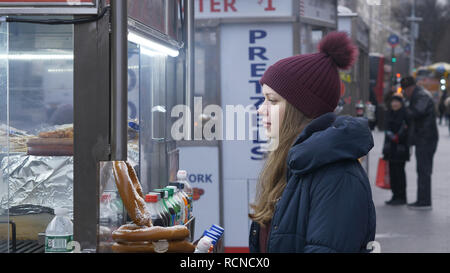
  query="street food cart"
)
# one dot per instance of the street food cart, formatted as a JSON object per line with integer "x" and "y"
{"x": 84, "y": 83}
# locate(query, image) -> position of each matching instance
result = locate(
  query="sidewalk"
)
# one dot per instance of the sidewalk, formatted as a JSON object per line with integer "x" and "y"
{"x": 402, "y": 230}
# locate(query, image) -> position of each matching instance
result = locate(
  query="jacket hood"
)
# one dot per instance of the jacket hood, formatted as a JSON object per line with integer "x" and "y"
{"x": 330, "y": 139}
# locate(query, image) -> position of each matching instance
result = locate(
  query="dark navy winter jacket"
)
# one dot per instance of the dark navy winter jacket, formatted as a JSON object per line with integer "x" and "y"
{"x": 327, "y": 203}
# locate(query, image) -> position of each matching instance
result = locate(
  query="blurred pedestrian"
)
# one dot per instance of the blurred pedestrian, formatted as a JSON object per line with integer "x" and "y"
{"x": 447, "y": 112}
{"x": 62, "y": 115}
{"x": 424, "y": 137}
{"x": 312, "y": 195}
{"x": 396, "y": 148}
{"x": 442, "y": 108}
{"x": 388, "y": 96}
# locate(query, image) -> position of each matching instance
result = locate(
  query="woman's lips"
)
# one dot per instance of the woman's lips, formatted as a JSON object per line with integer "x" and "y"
{"x": 267, "y": 124}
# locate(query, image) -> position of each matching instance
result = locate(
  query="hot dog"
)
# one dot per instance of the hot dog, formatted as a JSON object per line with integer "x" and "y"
{"x": 134, "y": 233}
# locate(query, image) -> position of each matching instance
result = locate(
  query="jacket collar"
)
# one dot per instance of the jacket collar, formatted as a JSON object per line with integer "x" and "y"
{"x": 329, "y": 139}
{"x": 319, "y": 124}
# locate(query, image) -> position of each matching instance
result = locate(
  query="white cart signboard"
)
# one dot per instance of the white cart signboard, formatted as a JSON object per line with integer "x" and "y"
{"x": 247, "y": 51}
{"x": 216, "y": 9}
{"x": 48, "y": 7}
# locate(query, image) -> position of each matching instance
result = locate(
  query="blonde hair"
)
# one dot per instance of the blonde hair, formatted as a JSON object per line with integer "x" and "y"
{"x": 272, "y": 180}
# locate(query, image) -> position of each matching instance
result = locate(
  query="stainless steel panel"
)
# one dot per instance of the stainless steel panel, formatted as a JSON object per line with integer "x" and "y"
{"x": 119, "y": 80}
{"x": 92, "y": 129}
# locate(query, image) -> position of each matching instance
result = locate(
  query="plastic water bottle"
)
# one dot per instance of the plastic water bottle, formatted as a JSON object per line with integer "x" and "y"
{"x": 59, "y": 233}
{"x": 187, "y": 188}
{"x": 208, "y": 241}
{"x": 185, "y": 198}
{"x": 168, "y": 205}
{"x": 176, "y": 205}
{"x": 162, "y": 208}
{"x": 204, "y": 245}
{"x": 179, "y": 203}
{"x": 151, "y": 202}
{"x": 187, "y": 202}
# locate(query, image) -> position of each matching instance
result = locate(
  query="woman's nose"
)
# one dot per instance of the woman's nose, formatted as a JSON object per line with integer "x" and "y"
{"x": 262, "y": 110}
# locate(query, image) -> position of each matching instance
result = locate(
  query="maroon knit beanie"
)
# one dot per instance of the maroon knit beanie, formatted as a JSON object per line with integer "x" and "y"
{"x": 311, "y": 82}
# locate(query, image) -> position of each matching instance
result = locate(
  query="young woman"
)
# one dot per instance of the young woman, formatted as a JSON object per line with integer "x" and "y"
{"x": 396, "y": 149}
{"x": 313, "y": 195}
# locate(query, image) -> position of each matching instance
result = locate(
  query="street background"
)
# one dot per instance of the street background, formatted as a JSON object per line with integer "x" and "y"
{"x": 401, "y": 230}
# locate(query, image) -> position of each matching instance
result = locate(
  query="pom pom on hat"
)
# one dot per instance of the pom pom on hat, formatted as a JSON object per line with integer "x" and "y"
{"x": 340, "y": 48}
{"x": 311, "y": 82}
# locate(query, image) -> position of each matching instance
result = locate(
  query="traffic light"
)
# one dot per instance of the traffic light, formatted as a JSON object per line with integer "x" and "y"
{"x": 399, "y": 79}
{"x": 394, "y": 59}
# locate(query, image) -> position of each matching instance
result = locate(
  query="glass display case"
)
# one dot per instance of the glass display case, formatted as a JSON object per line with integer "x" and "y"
{"x": 4, "y": 138}
{"x": 36, "y": 130}
{"x": 152, "y": 92}
{"x": 56, "y": 122}
{"x": 39, "y": 102}
{"x": 147, "y": 114}
{"x": 155, "y": 86}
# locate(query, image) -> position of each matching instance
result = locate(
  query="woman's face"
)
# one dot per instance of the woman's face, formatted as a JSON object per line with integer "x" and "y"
{"x": 268, "y": 110}
{"x": 396, "y": 105}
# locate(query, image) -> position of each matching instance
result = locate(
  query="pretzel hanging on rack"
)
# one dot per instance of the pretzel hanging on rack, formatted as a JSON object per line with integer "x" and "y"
{"x": 133, "y": 233}
{"x": 131, "y": 192}
{"x": 142, "y": 236}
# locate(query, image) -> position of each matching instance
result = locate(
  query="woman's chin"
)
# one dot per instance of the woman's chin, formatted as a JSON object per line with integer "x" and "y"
{"x": 268, "y": 132}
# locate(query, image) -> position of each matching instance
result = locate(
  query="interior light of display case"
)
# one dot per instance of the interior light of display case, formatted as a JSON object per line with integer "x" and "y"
{"x": 150, "y": 47}
{"x": 159, "y": 108}
{"x": 35, "y": 57}
{"x": 67, "y": 70}
{"x": 151, "y": 53}
{"x": 59, "y": 70}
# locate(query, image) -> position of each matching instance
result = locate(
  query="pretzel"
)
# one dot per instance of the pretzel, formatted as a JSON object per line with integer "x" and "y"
{"x": 142, "y": 231}
{"x": 64, "y": 133}
{"x": 131, "y": 193}
{"x": 134, "y": 233}
{"x": 149, "y": 247}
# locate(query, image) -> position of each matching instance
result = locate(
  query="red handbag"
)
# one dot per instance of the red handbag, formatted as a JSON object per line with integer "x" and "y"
{"x": 383, "y": 178}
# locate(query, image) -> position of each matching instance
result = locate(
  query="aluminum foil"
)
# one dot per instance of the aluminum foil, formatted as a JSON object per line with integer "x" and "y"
{"x": 40, "y": 181}
{"x": 46, "y": 181}
{"x": 106, "y": 176}
{"x": 133, "y": 154}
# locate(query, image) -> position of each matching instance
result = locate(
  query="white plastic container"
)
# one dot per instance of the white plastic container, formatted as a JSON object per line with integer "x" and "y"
{"x": 204, "y": 245}
{"x": 182, "y": 178}
{"x": 59, "y": 233}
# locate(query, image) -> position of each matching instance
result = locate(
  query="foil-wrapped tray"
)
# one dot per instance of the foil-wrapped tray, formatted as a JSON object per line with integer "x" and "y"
{"x": 36, "y": 180}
